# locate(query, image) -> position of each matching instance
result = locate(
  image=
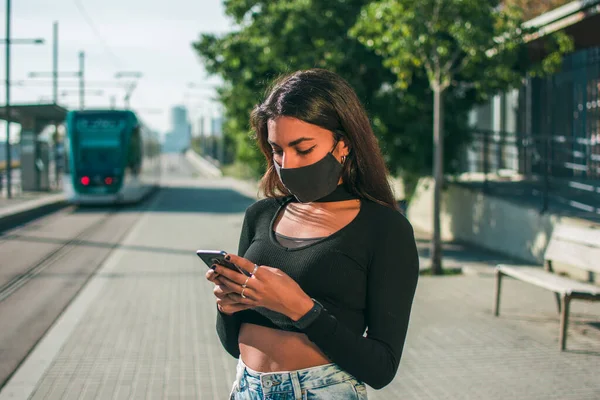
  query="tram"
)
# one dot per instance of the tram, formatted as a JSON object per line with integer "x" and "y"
{"x": 111, "y": 158}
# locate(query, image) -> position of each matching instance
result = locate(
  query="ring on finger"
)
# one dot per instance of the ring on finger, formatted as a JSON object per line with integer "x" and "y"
{"x": 245, "y": 283}
{"x": 242, "y": 294}
{"x": 255, "y": 269}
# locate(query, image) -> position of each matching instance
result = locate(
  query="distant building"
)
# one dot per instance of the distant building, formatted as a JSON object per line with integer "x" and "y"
{"x": 180, "y": 136}
{"x": 179, "y": 116}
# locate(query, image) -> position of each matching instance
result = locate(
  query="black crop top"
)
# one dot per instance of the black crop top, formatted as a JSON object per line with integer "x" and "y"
{"x": 364, "y": 275}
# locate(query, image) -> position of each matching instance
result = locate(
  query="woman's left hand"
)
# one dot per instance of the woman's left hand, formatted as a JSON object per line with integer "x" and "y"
{"x": 268, "y": 287}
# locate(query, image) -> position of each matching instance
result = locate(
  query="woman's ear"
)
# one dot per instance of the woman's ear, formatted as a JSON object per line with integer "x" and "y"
{"x": 344, "y": 147}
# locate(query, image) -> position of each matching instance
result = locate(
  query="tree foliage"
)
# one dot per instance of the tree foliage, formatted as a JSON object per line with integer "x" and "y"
{"x": 472, "y": 46}
{"x": 469, "y": 48}
{"x": 277, "y": 37}
{"x": 381, "y": 57}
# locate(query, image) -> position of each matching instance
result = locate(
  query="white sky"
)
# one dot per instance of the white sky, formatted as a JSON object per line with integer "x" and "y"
{"x": 150, "y": 36}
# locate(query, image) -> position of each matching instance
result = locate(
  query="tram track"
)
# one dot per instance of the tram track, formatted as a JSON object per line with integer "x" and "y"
{"x": 65, "y": 251}
{"x": 51, "y": 257}
{"x": 14, "y": 228}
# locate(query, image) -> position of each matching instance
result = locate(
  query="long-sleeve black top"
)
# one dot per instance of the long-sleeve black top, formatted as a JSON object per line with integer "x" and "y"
{"x": 364, "y": 275}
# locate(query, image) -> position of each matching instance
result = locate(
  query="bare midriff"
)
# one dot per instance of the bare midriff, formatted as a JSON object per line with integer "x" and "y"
{"x": 271, "y": 350}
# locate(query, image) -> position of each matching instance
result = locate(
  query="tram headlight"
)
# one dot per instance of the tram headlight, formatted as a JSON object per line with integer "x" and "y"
{"x": 108, "y": 180}
{"x": 85, "y": 180}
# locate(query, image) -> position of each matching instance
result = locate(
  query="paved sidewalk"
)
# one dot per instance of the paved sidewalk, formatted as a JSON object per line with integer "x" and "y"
{"x": 144, "y": 327}
{"x": 469, "y": 258}
{"x": 456, "y": 348}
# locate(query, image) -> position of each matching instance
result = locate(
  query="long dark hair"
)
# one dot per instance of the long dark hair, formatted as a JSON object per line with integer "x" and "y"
{"x": 325, "y": 99}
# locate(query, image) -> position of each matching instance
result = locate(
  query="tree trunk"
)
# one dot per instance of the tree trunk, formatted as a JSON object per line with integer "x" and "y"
{"x": 438, "y": 176}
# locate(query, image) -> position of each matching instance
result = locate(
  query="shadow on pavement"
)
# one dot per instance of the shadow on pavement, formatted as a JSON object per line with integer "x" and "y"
{"x": 459, "y": 252}
{"x": 184, "y": 200}
{"x": 96, "y": 244}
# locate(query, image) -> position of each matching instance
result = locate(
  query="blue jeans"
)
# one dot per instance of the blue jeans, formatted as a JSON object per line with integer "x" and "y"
{"x": 325, "y": 382}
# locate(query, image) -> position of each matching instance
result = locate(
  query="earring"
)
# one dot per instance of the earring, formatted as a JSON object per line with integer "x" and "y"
{"x": 343, "y": 159}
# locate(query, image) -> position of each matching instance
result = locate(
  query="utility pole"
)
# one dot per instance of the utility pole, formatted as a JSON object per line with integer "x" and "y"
{"x": 57, "y": 169}
{"x": 55, "y": 74}
{"x": 55, "y": 63}
{"x": 81, "y": 80}
{"x": 8, "y": 41}
{"x": 8, "y": 168}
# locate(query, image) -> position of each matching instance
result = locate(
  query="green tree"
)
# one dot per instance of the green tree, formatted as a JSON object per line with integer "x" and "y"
{"x": 474, "y": 46}
{"x": 276, "y": 37}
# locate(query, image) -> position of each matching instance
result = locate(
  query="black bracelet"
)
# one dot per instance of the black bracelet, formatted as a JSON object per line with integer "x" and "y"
{"x": 309, "y": 317}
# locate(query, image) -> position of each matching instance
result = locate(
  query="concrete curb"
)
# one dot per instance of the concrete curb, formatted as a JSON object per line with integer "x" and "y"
{"x": 28, "y": 210}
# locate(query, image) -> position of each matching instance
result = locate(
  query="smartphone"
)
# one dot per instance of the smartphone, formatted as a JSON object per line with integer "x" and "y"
{"x": 211, "y": 257}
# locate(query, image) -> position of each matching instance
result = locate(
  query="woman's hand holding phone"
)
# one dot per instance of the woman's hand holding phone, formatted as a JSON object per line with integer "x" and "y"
{"x": 265, "y": 287}
{"x": 225, "y": 303}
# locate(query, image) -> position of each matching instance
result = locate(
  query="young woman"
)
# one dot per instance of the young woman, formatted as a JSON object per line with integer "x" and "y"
{"x": 328, "y": 252}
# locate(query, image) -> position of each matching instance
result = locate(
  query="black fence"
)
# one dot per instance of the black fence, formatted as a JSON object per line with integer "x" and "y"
{"x": 542, "y": 145}
{"x": 554, "y": 172}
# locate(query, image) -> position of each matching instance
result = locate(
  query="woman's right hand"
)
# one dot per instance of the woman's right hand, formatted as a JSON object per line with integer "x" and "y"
{"x": 225, "y": 303}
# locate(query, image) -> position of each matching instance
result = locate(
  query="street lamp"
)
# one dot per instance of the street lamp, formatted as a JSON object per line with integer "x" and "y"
{"x": 8, "y": 41}
{"x": 23, "y": 41}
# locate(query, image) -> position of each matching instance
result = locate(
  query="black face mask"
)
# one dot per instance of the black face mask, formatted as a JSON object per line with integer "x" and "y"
{"x": 311, "y": 182}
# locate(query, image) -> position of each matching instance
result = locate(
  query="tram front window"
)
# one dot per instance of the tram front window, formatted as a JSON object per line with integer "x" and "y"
{"x": 99, "y": 148}
{"x": 99, "y": 159}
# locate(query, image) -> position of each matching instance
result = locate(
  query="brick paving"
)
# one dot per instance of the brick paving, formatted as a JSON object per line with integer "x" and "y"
{"x": 144, "y": 328}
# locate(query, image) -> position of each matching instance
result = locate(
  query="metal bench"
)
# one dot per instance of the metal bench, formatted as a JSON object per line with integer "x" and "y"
{"x": 574, "y": 246}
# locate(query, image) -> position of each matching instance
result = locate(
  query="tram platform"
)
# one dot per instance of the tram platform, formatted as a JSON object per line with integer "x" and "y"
{"x": 28, "y": 205}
